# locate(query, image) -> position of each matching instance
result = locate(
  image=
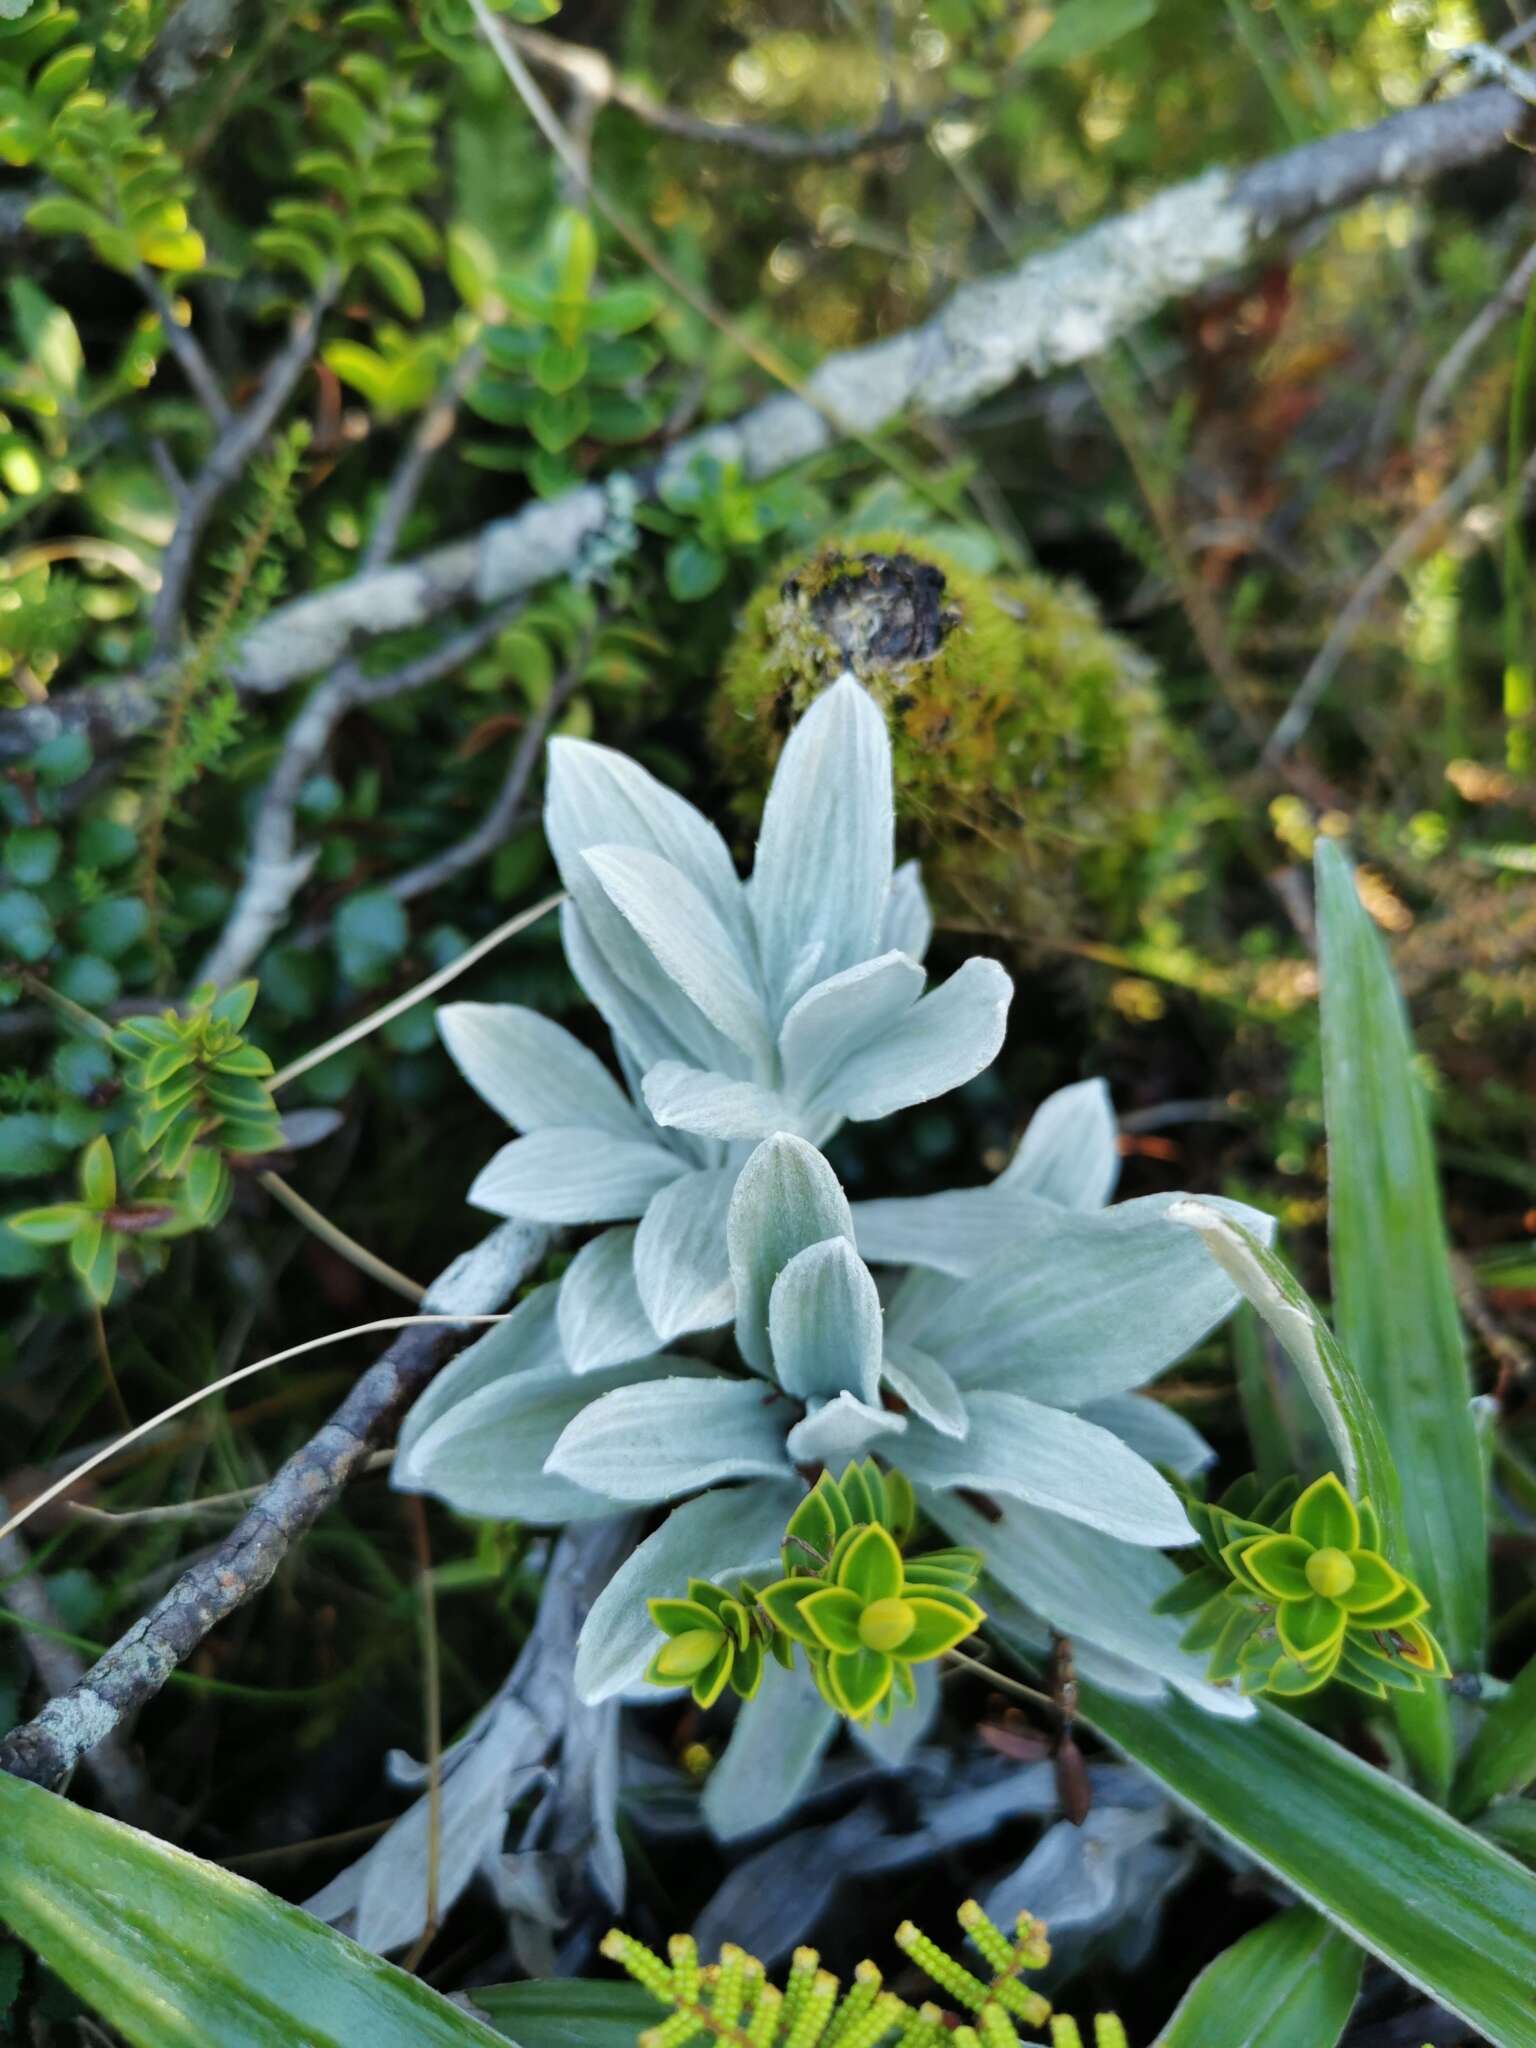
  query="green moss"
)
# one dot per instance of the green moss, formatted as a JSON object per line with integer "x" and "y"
{"x": 1031, "y": 756}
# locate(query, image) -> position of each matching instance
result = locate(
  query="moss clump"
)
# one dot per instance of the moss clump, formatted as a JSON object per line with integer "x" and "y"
{"x": 1031, "y": 756}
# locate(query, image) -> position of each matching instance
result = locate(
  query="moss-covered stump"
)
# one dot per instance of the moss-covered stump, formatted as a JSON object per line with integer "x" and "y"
{"x": 1031, "y": 755}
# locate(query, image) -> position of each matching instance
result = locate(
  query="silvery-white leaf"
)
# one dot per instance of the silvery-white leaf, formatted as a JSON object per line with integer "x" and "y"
{"x": 1054, "y": 1460}
{"x": 779, "y": 1895}
{"x": 601, "y": 1320}
{"x": 824, "y": 1324}
{"x": 919, "y": 1380}
{"x": 488, "y": 1455}
{"x": 1088, "y": 1586}
{"x": 688, "y": 941}
{"x": 466, "y": 1835}
{"x": 1155, "y": 1430}
{"x": 1089, "y": 1304}
{"x": 787, "y": 1197}
{"x": 528, "y": 1341}
{"x": 839, "y": 1017}
{"x": 908, "y": 923}
{"x": 641, "y": 1034}
{"x": 672, "y": 1436}
{"x": 713, "y": 1105}
{"x": 1069, "y": 1153}
{"x": 302, "y": 1128}
{"x": 892, "y": 1742}
{"x": 534, "y": 1073}
{"x": 570, "y": 1176}
{"x": 823, "y": 866}
{"x": 1085, "y": 1872}
{"x": 669, "y": 1025}
{"x": 916, "y": 1299}
{"x": 957, "y": 1232}
{"x": 944, "y": 1040}
{"x": 770, "y": 1762}
{"x": 1009, "y": 1621}
{"x": 845, "y": 1427}
{"x": 387, "y": 1888}
{"x": 682, "y": 1269}
{"x": 597, "y": 797}
{"x": 734, "y": 1528}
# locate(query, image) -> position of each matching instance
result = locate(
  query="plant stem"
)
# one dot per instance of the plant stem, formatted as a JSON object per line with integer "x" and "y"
{"x": 104, "y": 1355}
{"x": 330, "y": 1233}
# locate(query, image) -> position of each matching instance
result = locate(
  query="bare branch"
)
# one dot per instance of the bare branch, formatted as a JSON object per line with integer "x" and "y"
{"x": 1060, "y": 307}
{"x": 432, "y": 430}
{"x": 1452, "y": 366}
{"x": 591, "y": 72}
{"x": 1405, "y": 545}
{"x": 130, "y": 1674}
{"x": 59, "y": 1668}
{"x": 242, "y": 435}
{"x": 506, "y": 809}
{"x": 188, "y": 351}
{"x": 275, "y": 869}
{"x": 196, "y": 35}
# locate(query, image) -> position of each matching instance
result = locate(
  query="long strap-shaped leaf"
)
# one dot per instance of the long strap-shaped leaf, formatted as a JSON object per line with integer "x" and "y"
{"x": 564, "y": 2012}
{"x": 1439, "y": 1904}
{"x": 1395, "y": 1306}
{"x": 1353, "y": 1426}
{"x": 176, "y": 1953}
{"x": 1291, "y": 1983}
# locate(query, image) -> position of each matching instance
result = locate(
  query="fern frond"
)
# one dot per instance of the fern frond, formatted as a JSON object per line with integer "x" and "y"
{"x": 202, "y": 712}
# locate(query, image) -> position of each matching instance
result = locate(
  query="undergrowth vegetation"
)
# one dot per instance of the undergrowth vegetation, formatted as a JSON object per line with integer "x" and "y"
{"x": 766, "y": 910}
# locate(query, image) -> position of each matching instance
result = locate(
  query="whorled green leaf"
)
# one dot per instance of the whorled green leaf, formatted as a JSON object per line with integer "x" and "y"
{"x": 1437, "y": 1903}
{"x": 177, "y": 1953}
{"x": 1395, "y": 1305}
{"x": 1291, "y": 1983}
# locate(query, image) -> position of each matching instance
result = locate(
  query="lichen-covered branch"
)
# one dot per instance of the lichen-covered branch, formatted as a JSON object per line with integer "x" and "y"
{"x": 1063, "y": 306}
{"x": 130, "y": 1674}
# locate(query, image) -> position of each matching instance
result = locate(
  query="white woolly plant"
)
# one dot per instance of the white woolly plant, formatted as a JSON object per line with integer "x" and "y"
{"x": 997, "y": 1354}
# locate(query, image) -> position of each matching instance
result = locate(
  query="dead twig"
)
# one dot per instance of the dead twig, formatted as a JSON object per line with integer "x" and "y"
{"x": 275, "y": 869}
{"x": 1508, "y": 299}
{"x": 239, "y": 438}
{"x": 59, "y": 1669}
{"x": 432, "y": 431}
{"x": 1405, "y": 545}
{"x": 505, "y": 811}
{"x": 592, "y": 73}
{"x": 72, "y": 1725}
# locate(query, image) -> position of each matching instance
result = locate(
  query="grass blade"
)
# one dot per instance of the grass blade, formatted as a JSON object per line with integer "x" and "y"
{"x": 1502, "y": 1755}
{"x": 1394, "y": 1303}
{"x": 1439, "y": 1904}
{"x": 177, "y": 1953}
{"x": 1291, "y": 1983}
{"x": 562, "y": 2012}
